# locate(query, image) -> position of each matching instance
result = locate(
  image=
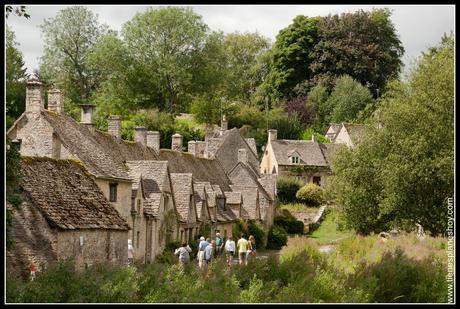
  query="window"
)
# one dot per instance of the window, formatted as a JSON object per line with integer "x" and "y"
{"x": 295, "y": 160}
{"x": 138, "y": 236}
{"x": 317, "y": 180}
{"x": 113, "y": 192}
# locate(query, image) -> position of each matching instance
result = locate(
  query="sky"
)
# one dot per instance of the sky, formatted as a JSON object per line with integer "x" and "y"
{"x": 418, "y": 26}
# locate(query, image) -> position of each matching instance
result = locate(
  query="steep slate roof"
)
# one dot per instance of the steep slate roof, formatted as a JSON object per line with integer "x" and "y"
{"x": 225, "y": 215}
{"x": 225, "y": 149}
{"x": 355, "y": 131}
{"x": 249, "y": 206}
{"x": 122, "y": 150}
{"x": 80, "y": 141}
{"x": 182, "y": 187}
{"x": 67, "y": 195}
{"x": 329, "y": 150}
{"x": 233, "y": 197}
{"x": 200, "y": 196}
{"x": 309, "y": 151}
{"x": 202, "y": 169}
{"x": 252, "y": 144}
{"x": 152, "y": 174}
{"x": 254, "y": 178}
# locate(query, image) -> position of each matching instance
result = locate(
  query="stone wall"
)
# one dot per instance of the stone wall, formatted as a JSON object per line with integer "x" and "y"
{"x": 225, "y": 229}
{"x": 305, "y": 177}
{"x": 124, "y": 192}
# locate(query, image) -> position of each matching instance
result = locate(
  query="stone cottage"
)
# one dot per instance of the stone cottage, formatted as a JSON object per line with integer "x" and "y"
{"x": 308, "y": 161}
{"x": 154, "y": 218}
{"x": 345, "y": 133}
{"x": 202, "y": 207}
{"x": 242, "y": 175}
{"x": 64, "y": 215}
{"x": 184, "y": 197}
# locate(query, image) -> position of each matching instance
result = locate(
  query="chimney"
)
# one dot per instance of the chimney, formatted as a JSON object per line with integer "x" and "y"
{"x": 272, "y": 135}
{"x": 34, "y": 101}
{"x": 242, "y": 156}
{"x": 115, "y": 126}
{"x": 224, "y": 124}
{"x": 192, "y": 147}
{"x": 200, "y": 147}
{"x": 176, "y": 143}
{"x": 153, "y": 140}
{"x": 313, "y": 138}
{"x": 140, "y": 135}
{"x": 55, "y": 101}
{"x": 87, "y": 115}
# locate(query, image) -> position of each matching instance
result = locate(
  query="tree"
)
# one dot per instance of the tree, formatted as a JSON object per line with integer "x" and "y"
{"x": 16, "y": 77}
{"x": 402, "y": 171}
{"x": 291, "y": 57}
{"x": 19, "y": 11}
{"x": 318, "y": 96}
{"x": 69, "y": 37}
{"x": 347, "y": 99}
{"x": 241, "y": 70}
{"x": 302, "y": 107}
{"x": 363, "y": 45}
{"x": 166, "y": 44}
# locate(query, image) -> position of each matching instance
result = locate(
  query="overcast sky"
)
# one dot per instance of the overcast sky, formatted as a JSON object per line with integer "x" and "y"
{"x": 418, "y": 26}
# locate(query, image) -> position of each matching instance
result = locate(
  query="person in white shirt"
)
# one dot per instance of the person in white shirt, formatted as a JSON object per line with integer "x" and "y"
{"x": 230, "y": 250}
{"x": 184, "y": 253}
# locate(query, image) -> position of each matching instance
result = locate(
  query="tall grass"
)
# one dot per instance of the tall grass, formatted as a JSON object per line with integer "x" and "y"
{"x": 361, "y": 269}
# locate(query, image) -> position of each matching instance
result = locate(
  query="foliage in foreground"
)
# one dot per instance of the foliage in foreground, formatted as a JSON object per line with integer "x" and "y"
{"x": 310, "y": 194}
{"x": 361, "y": 269}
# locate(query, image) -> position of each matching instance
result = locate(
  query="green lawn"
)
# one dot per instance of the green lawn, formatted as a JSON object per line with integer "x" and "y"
{"x": 328, "y": 231}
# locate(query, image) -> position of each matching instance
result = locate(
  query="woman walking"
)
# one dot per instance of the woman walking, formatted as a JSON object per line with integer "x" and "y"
{"x": 184, "y": 253}
{"x": 251, "y": 252}
{"x": 230, "y": 250}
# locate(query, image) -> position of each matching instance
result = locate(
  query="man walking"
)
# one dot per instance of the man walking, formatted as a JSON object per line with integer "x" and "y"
{"x": 242, "y": 248}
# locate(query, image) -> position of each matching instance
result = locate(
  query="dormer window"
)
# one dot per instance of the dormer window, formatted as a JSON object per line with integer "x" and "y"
{"x": 295, "y": 160}
{"x": 113, "y": 192}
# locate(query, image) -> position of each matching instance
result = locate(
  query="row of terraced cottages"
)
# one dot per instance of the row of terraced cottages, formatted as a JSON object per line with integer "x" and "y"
{"x": 74, "y": 177}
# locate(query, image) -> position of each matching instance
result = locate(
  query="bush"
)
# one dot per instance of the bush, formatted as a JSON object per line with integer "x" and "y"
{"x": 310, "y": 194}
{"x": 247, "y": 228}
{"x": 288, "y": 127}
{"x": 277, "y": 238}
{"x": 289, "y": 223}
{"x": 287, "y": 188}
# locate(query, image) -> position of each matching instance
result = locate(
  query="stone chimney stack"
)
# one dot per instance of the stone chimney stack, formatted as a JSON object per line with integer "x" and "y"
{"x": 140, "y": 135}
{"x": 242, "y": 156}
{"x": 153, "y": 140}
{"x": 200, "y": 147}
{"x": 115, "y": 126}
{"x": 192, "y": 147}
{"x": 34, "y": 101}
{"x": 313, "y": 138}
{"x": 87, "y": 115}
{"x": 55, "y": 101}
{"x": 224, "y": 124}
{"x": 176, "y": 143}
{"x": 272, "y": 135}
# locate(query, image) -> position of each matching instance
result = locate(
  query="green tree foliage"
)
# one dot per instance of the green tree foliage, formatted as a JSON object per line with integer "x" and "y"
{"x": 289, "y": 223}
{"x": 308, "y": 134}
{"x": 16, "y": 77}
{"x": 277, "y": 238}
{"x": 402, "y": 173}
{"x": 347, "y": 99}
{"x": 19, "y": 11}
{"x": 310, "y": 194}
{"x": 242, "y": 71}
{"x": 166, "y": 43}
{"x": 13, "y": 176}
{"x": 68, "y": 39}
{"x": 362, "y": 44}
{"x": 291, "y": 57}
{"x": 287, "y": 188}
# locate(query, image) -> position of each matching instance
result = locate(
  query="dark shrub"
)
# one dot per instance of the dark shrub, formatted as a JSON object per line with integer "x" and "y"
{"x": 277, "y": 238}
{"x": 289, "y": 223}
{"x": 287, "y": 188}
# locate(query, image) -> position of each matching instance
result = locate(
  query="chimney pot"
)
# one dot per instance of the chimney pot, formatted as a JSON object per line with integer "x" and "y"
{"x": 153, "y": 140}
{"x": 224, "y": 124}
{"x": 192, "y": 147}
{"x": 140, "y": 135}
{"x": 87, "y": 113}
{"x": 200, "y": 147}
{"x": 313, "y": 138}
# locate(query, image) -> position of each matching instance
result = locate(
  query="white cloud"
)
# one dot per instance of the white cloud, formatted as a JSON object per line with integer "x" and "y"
{"x": 419, "y": 27}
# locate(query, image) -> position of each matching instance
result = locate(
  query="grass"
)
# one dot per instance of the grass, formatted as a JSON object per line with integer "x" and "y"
{"x": 329, "y": 232}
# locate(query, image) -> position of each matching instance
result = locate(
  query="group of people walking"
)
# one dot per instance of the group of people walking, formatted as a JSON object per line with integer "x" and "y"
{"x": 209, "y": 249}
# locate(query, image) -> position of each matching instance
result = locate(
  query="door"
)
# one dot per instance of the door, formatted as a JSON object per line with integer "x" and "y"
{"x": 148, "y": 240}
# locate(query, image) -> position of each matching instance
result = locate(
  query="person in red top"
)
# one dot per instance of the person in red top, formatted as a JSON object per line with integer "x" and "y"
{"x": 32, "y": 269}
